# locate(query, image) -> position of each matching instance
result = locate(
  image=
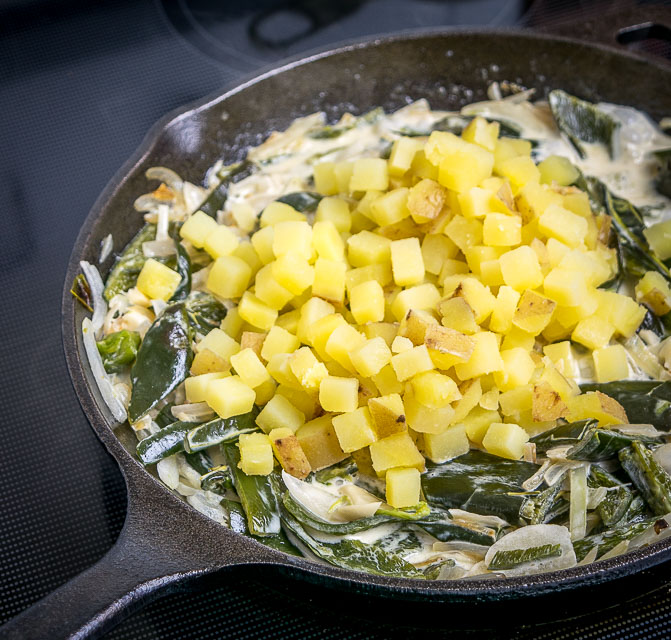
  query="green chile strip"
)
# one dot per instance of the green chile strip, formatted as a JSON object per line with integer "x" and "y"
{"x": 163, "y": 443}
{"x": 514, "y": 557}
{"x": 648, "y": 477}
{"x": 220, "y": 430}
{"x": 124, "y": 273}
{"x": 118, "y": 350}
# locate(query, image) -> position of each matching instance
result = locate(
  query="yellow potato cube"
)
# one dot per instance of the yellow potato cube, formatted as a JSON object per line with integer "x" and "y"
{"x": 311, "y": 312}
{"x": 369, "y": 358}
{"x": 517, "y": 401}
{"x": 653, "y": 290}
{"x": 458, "y": 315}
{"x": 422, "y": 168}
{"x": 620, "y": 311}
{"x": 354, "y": 429}
{"x": 245, "y": 251}
{"x": 279, "y": 212}
{"x": 327, "y": 241}
{"x": 436, "y": 249}
{"x": 156, "y": 281}
{"x": 402, "y": 487}
{"x": 269, "y": 291}
{"x": 219, "y": 343}
{"x": 610, "y": 363}
{"x": 507, "y": 148}
{"x": 533, "y": 312}
{"x": 520, "y": 269}
{"x": 289, "y": 453}
{"x": 397, "y": 450}
{"x": 256, "y": 454}
{"x": 289, "y": 320}
{"x": 244, "y": 216}
{"x": 280, "y": 413}
{"x": 369, "y": 173}
{"x": 597, "y": 405}
{"x": 255, "y": 312}
{"x": 339, "y": 394}
{"x": 518, "y": 338}
{"x": 262, "y": 241}
{"x": 343, "y": 175}
{"x": 564, "y": 225}
{"x": 485, "y": 357}
{"x": 519, "y": 170}
{"x": 336, "y": 211}
{"x": 558, "y": 169}
{"x": 325, "y": 178}
{"x": 464, "y": 232}
{"x": 477, "y": 422}
{"x": 390, "y": 207}
{"x": 308, "y": 370}
{"x": 426, "y": 201}
{"x": 388, "y": 414}
{"x": 423, "y": 296}
{"x": 593, "y": 332}
{"x": 518, "y": 367}
{"x": 504, "y": 309}
{"x": 434, "y": 390}
{"x": 292, "y": 236}
{"x": 478, "y": 254}
{"x": 400, "y": 344}
{"x": 387, "y": 382}
{"x": 250, "y": 369}
{"x": 414, "y": 326}
{"x": 320, "y": 443}
{"x": 229, "y": 277}
{"x": 406, "y": 262}
{"x": 533, "y": 199}
{"x": 402, "y": 154}
{"x": 293, "y": 272}
{"x": 593, "y": 267}
{"x": 506, "y": 440}
{"x": 411, "y": 362}
{"x": 197, "y": 228}
{"x": 366, "y": 248}
{"x": 320, "y": 331}
{"x": 568, "y": 288}
{"x": 343, "y": 340}
{"x": 229, "y": 396}
{"x": 501, "y": 230}
{"x": 478, "y": 202}
{"x": 441, "y": 447}
{"x": 329, "y": 280}
{"x": 658, "y": 236}
{"x": 196, "y": 386}
{"x": 385, "y": 330}
{"x": 563, "y": 359}
{"x": 447, "y": 347}
{"x": 222, "y": 241}
{"x": 305, "y": 401}
{"x": 479, "y": 298}
{"x": 278, "y": 341}
{"x": 381, "y": 273}
{"x": 207, "y": 362}
{"x": 367, "y": 302}
{"x": 483, "y": 133}
{"x": 232, "y": 324}
{"x": 264, "y": 392}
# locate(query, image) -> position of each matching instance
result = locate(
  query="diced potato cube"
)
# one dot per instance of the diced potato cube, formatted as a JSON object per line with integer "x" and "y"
{"x": 479, "y": 298}
{"x": 436, "y": 249}
{"x": 229, "y": 277}
{"x": 381, "y": 273}
{"x": 507, "y": 148}
{"x": 533, "y": 199}
{"x": 653, "y": 290}
{"x": 366, "y": 248}
{"x": 520, "y": 269}
{"x": 478, "y": 254}
{"x": 205, "y": 361}
{"x": 367, "y": 302}
{"x": 329, "y": 280}
{"x": 388, "y": 414}
{"x": 255, "y": 312}
{"x": 246, "y": 251}
{"x": 441, "y": 447}
{"x": 565, "y": 387}
{"x": 277, "y": 341}
{"x": 565, "y": 287}
{"x": 293, "y": 272}
{"x": 327, "y": 241}
{"x": 371, "y": 357}
{"x": 562, "y": 357}
{"x": 402, "y": 153}
{"x": 422, "y": 168}
{"x": 610, "y": 363}
{"x": 156, "y": 281}
{"x": 222, "y": 241}
{"x": 464, "y": 232}
{"x": 484, "y": 359}
{"x": 219, "y": 343}
{"x": 506, "y": 440}
{"x": 400, "y": 344}
{"x": 546, "y": 403}
{"x": 308, "y": 370}
{"x": 264, "y": 392}
{"x": 426, "y": 200}
{"x": 262, "y": 241}
{"x": 448, "y": 347}
{"x": 483, "y": 133}
{"x": 354, "y": 429}
{"x": 269, "y": 291}
{"x": 504, "y": 309}
{"x": 311, "y": 312}
{"x": 197, "y": 228}
{"x": 339, "y": 394}
{"x": 594, "y": 267}
{"x": 335, "y": 210}
{"x": 533, "y": 312}
{"x": 422, "y": 296}
{"x": 289, "y": 320}
{"x": 387, "y": 382}
{"x": 277, "y": 212}
{"x": 343, "y": 340}
{"x": 501, "y": 230}
{"x": 369, "y": 173}
{"x": 320, "y": 332}
{"x": 280, "y": 413}
{"x": 289, "y": 453}
{"x": 558, "y": 169}
{"x": 320, "y": 443}
{"x": 244, "y": 216}
{"x": 390, "y": 207}
{"x": 562, "y": 224}
{"x": 325, "y": 178}
{"x": 256, "y": 454}
{"x": 229, "y": 396}
{"x": 518, "y": 338}
{"x": 196, "y": 386}
{"x": 658, "y": 236}
{"x": 595, "y": 404}
{"x": 406, "y": 262}
{"x": 411, "y": 362}
{"x": 519, "y": 170}
{"x": 414, "y": 325}
{"x": 623, "y": 313}
{"x": 385, "y": 330}
{"x": 402, "y": 487}
{"x": 593, "y": 332}
{"x": 464, "y": 168}
{"x": 477, "y": 422}
{"x": 434, "y": 390}
{"x": 232, "y": 324}
{"x": 278, "y": 367}
{"x": 250, "y": 369}
{"x": 397, "y": 450}
{"x": 343, "y": 175}
{"x": 518, "y": 367}
{"x": 293, "y": 236}
{"x": 478, "y": 202}
{"x": 471, "y": 394}
{"x": 305, "y": 401}
{"x": 517, "y": 401}
{"x": 458, "y": 315}
{"x": 423, "y": 419}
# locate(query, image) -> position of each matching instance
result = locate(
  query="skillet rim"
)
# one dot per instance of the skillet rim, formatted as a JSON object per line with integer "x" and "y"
{"x": 512, "y": 588}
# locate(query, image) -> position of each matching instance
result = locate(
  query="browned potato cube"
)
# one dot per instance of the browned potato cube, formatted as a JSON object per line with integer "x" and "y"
{"x": 546, "y": 404}
{"x": 289, "y": 453}
{"x": 252, "y": 340}
{"x": 388, "y": 415}
{"x": 319, "y": 442}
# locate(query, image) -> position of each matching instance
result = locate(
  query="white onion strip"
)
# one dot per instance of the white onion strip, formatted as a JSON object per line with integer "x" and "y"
{"x": 163, "y": 218}
{"x": 106, "y": 247}
{"x": 97, "y": 287}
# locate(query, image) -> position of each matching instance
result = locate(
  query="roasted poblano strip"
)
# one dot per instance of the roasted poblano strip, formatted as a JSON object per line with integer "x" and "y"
{"x": 205, "y": 312}
{"x": 303, "y": 201}
{"x": 81, "y": 290}
{"x": 602, "y": 444}
{"x": 162, "y": 362}
{"x": 442, "y": 526}
{"x": 648, "y": 477}
{"x": 164, "y": 417}
{"x": 200, "y": 461}
{"x": 613, "y": 508}
{"x": 607, "y": 540}
{"x": 508, "y": 559}
{"x": 339, "y": 470}
{"x": 219, "y": 480}
{"x": 220, "y": 430}
{"x": 567, "y": 433}
{"x": 257, "y": 495}
{"x": 216, "y": 199}
{"x": 582, "y": 121}
{"x": 645, "y": 401}
{"x": 163, "y": 443}
{"x": 545, "y": 506}
{"x": 124, "y": 273}
{"x": 118, "y": 350}
{"x": 183, "y": 267}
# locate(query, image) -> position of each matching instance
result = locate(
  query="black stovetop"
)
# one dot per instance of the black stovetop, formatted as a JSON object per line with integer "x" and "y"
{"x": 80, "y": 84}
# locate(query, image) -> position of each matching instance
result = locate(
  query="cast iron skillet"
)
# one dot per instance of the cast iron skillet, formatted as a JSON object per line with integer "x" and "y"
{"x": 165, "y": 542}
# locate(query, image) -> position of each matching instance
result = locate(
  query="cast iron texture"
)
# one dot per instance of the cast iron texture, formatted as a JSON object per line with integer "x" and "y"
{"x": 165, "y": 542}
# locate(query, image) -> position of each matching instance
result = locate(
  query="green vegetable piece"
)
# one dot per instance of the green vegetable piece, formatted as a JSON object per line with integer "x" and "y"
{"x": 217, "y": 197}
{"x": 164, "y": 443}
{"x": 514, "y": 557}
{"x": 205, "y": 312}
{"x": 648, "y": 477}
{"x": 334, "y": 131}
{"x": 478, "y": 482}
{"x": 257, "y": 495}
{"x": 219, "y": 480}
{"x": 220, "y": 430}
{"x": 442, "y": 526}
{"x": 183, "y": 267}
{"x": 352, "y": 554}
{"x": 402, "y": 539}
{"x": 303, "y": 201}
{"x": 546, "y": 506}
{"x": 663, "y": 180}
{"x": 164, "y": 416}
{"x": 562, "y": 434}
{"x": 417, "y": 512}
{"x": 236, "y": 516}
{"x": 607, "y": 540}
{"x": 81, "y": 291}
{"x": 581, "y": 120}
{"x": 432, "y": 572}
{"x": 200, "y": 461}
{"x": 613, "y": 508}
{"x": 118, "y": 350}
{"x": 645, "y": 401}
{"x": 602, "y": 444}
{"x": 344, "y": 469}
{"x": 125, "y": 271}
{"x": 162, "y": 361}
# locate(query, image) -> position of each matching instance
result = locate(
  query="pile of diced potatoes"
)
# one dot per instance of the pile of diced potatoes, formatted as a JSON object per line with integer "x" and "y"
{"x": 429, "y": 308}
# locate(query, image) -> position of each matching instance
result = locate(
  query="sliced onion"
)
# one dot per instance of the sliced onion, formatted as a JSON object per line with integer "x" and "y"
{"x": 493, "y": 522}
{"x": 617, "y": 550}
{"x": 578, "y": 503}
{"x": 536, "y": 480}
{"x": 168, "y": 472}
{"x": 158, "y": 306}
{"x": 357, "y": 495}
{"x": 590, "y": 557}
{"x": 188, "y": 473}
{"x": 163, "y": 219}
{"x": 349, "y": 512}
{"x": 193, "y": 196}
{"x": 654, "y": 533}
{"x": 192, "y": 412}
{"x": 199, "y": 503}
{"x": 106, "y": 247}
{"x": 97, "y": 287}
{"x": 461, "y": 545}
{"x": 595, "y": 496}
{"x": 312, "y": 497}
{"x": 110, "y": 397}
{"x": 662, "y": 456}
{"x": 158, "y": 248}
{"x": 185, "y": 489}
{"x": 638, "y": 430}
{"x": 163, "y": 174}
